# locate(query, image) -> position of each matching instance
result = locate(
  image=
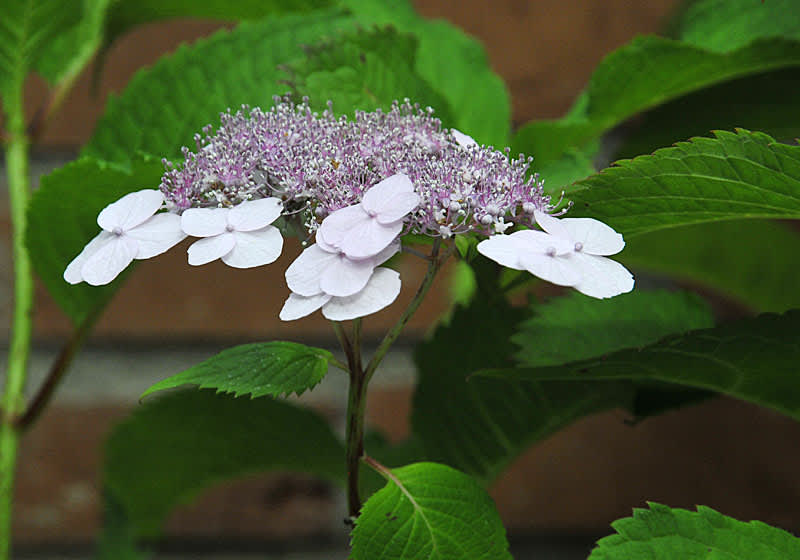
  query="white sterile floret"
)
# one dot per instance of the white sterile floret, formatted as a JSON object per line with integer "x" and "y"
{"x": 463, "y": 140}
{"x": 324, "y": 277}
{"x": 365, "y": 229}
{"x": 131, "y": 230}
{"x": 591, "y": 241}
{"x": 540, "y": 253}
{"x": 241, "y": 236}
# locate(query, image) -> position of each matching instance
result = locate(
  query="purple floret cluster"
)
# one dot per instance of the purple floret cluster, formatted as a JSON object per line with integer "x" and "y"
{"x": 318, "y": 163}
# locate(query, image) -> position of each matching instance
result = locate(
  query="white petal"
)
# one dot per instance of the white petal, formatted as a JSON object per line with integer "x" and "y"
{"x": 596, "y": 237}
{"x": 338, "y": 225}
{"x": 533, "y": 241}
{"x": 210, "y": 249}
{"x": 369, "y": 239}
{"x": 381, "y": 290}
{"x": 602, "y": 277}
{"x": 551, "y": 225}
{"x": 391, "y": 199}
{"x": 345, "y": 277}
{"x": 255, "y": 214}
{"x": 157, "y": 235}
{"x": 299, "y": 306}
{"x": 503, "y": 250}
{"x": 463, "y": 140}
{"x": 204, "y": 222}
{"x": 72, "y": 274}
{"x": 386, "y": 254}
{"x": 109, "y": 260}
{"x": 508, "y": 250}
{"x": 255, "y": 248}
{"x": 559, "y": 270}
{"x": 304, "y": 273}
{"x": 130, "y": 210}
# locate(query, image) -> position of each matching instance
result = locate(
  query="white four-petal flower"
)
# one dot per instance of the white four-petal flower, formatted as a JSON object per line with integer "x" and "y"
{"x": 241, "y": 236}
{"x": 365, "y": 229}
{"x": 131, "y": 230}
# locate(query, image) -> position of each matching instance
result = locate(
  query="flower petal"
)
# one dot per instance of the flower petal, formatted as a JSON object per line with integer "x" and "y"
{"x": 559, "y": 270}
{"x": 551, "y": 225}
{"x": 204, "y": 222}
{"x": 391, "y": 199}
{"x": 304, "y": 274}
{"x": 386, "y": 254}
{"x": 540, "y": 242}
{"x": 338, "y": 225}
{"x": 72, "y": 274}
{"x": 602, "y": 277}
{"x": 130, "y": 210}
{"x": 381, "y": 290}
{"x": 369, "y": 239}
{"x": 345, "y": 277}
{"x": 209, "y": 249}
{"x": 463, "y": 140}
{"x": 255, "y": 214}
{"x": 596, "y": 237}
{"x": 502, "y": 249}
{"x": 255, "y": 248}
{"x": 157, "y": 235}
{"x": 300, "y": 306}
{"x": 111, "y": 258}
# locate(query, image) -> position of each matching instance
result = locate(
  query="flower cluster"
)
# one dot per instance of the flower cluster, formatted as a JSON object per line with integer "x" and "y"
{"x": 356, "y": 185}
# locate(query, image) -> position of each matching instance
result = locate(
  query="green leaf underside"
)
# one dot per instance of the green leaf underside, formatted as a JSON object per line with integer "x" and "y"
{"x": 179, "y": 444}
{"x": 364, "y": 70}
{"x": 734, "y": 175}
{"x": 454, "y": 64}
{"x": 752, "y": 262}
{"x": 726, "y": 25}
{"x": 664, "y": 532}
{"x": 753, "y": 360}
{"x": 654, "y": 70}
{"x": 479, "y": 426}
{"x": 577, "y": 327}
{"x": 26, "y": 28}
{"x": 258, "y": 369}
{"x": 62, "y": 219}
{"x": 431, "y": 512}
{"x": 165, "y": 105}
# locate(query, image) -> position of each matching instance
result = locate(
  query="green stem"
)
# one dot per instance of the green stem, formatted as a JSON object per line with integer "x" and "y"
{"x": 19, "y": 348}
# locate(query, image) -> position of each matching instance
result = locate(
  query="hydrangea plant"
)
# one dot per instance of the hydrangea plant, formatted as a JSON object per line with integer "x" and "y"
{"x": 364, "y": 180}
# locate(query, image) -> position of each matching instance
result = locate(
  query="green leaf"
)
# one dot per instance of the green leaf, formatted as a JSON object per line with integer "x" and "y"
{"x": 479, "y": 426}
{"x": 177, "y": 445}
{"x": 258, "y": 369}
{"x": 572, "y": 166}
{"x": 577, "y": 327}
{"x": 753, "y": 360}
{"x": 654, "y": 71}
{"x": 454, "y": 64}
{"x": 752, "y": 262}
{"x": 26, "y": 28}
{"x": 741, "y": 175}
{"x": 62, "y": 219}
{"x": 364, "y": 70}
{"x": 664, "y": 532}
{"x": 164, "y": 106}
{"x": 725, "y": 25}
{"x": 431, "y": 512}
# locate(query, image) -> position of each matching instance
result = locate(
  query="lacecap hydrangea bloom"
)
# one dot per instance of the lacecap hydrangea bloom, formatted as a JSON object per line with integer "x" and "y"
{"x": 357, "y": 185}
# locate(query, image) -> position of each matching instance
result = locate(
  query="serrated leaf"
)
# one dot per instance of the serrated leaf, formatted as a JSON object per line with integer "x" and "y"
{"x": 177, "y": 445}
{"x": 734, "y": 175}
{"x": 577, "y": 327}
{"x": 364, "y": 70}
{"x": 26, "y": 27}
{"x": 62, "y": 219}
{"x": 258, "y": 369}
{"x": 754, "y": 360}
{"x": 164, "y": 106}
{"x": 429, "y": 512}
{"x": 752, "y": 262}
{"x": 454, "y": 64}
{"x": 479, "y": 426}
{"x": 654, "y": 70}
{"x": 664, "y": 532}
{"x": 725, "y": 25}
